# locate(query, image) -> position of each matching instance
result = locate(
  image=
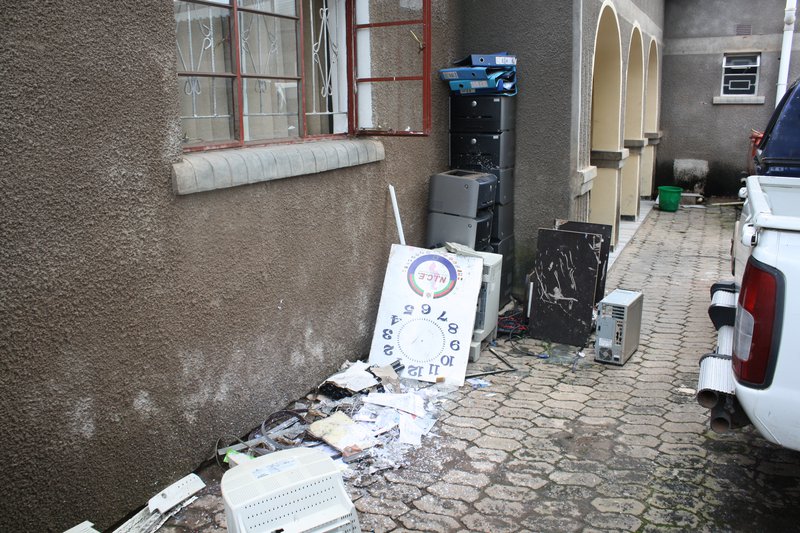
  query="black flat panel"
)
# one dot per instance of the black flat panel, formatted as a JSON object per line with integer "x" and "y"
{"x": 564, "y": 280}
{"x": 604, "y": 230}
{"x": 482, "y": 113}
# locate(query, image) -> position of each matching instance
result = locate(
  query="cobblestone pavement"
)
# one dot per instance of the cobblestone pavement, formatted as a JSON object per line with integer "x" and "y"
{"x": 579, "y": 446}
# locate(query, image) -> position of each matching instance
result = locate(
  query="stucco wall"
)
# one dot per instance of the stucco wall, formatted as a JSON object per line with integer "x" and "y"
{"x": 136, "y": 326}
{"x": 539, "y": 34}
{"x": 697, "y": 36}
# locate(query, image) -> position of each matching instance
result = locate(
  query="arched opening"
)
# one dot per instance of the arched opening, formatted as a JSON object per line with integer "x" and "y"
{"x": 633, "y": 133}
{"x": 606, "y": 124}
{"x": 651, "y": 98}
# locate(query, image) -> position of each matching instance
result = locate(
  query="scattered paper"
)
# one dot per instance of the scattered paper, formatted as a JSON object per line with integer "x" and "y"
{"x": 408, "y": 402}
{"x": 355, "y": 378}
{"x": 388, "y": 377}
{"x": 343, "y": 433}
{"x": 410, "y": 432}
{"x": 478, "y": 383}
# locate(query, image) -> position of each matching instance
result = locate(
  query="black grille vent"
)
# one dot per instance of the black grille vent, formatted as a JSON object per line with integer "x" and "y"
{"x": 744, "y": 29}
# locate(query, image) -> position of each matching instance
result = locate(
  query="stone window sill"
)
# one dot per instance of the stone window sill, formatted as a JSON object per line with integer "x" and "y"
{"x": 207, "y": 171}
{"x": 739, "y": 100}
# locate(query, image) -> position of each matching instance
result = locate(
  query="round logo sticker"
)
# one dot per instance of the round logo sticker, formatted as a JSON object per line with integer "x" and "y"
{"x": 432, "y": 276}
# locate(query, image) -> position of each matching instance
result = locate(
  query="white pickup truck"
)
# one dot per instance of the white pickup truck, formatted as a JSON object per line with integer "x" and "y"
{"x": 753, "y": 375}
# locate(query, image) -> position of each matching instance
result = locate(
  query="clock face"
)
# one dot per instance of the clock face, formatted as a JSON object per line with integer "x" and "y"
{"x": 427, "y": 313}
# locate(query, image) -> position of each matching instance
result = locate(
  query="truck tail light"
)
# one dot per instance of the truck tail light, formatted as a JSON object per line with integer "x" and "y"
{"x": 756, "y": 327}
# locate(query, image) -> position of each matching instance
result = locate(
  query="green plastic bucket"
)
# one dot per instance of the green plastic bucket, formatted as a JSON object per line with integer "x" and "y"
{"x": 669, "y": 198}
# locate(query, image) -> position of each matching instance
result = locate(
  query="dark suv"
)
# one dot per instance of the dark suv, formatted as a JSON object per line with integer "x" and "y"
{"x": 778, "y": 153}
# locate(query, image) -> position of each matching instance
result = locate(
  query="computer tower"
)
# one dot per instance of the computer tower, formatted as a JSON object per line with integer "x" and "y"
{"x": 619, "y": 323}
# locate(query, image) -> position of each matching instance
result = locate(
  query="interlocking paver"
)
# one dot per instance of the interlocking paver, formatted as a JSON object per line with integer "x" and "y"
{"x": 553, "y": 448}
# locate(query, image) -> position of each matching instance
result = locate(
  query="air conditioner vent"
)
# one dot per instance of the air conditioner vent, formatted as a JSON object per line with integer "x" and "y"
{"x": 744, "y": 29}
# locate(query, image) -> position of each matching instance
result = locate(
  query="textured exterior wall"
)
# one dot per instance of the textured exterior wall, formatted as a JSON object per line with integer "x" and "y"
{"x": 539, "y": 34}
{"x": 697, "y": 36}
{"x": 554, "y": 43}
{"x": 137, "y": 326}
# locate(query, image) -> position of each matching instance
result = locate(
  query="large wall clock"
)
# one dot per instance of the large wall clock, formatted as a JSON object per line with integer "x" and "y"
{"x": 427, "y": 313}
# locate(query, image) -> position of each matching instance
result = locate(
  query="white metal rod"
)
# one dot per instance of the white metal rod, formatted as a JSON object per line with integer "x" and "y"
{"x": 397, "y": 216}
{"x": 786, "y": 48}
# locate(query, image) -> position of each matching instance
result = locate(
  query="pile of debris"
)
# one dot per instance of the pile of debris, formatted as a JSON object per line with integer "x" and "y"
{"x": 364, "y": 416}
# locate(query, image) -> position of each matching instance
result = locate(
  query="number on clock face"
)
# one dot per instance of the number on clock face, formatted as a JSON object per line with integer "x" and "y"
{"x": 422, "y": 337}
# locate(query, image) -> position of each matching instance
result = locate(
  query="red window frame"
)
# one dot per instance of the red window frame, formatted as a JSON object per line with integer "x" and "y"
{"x": 425, "y": 77}
{"x": 352, "y": 81}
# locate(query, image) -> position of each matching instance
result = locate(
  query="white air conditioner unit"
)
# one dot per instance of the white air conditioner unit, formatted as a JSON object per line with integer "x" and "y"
{"x": 291, "y": 491}
{"x": 619, "y": 322}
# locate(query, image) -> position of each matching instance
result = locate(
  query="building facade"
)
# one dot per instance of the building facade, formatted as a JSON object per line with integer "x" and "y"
{"x": 196, "y": 220}
{"x": 721, "y": 65}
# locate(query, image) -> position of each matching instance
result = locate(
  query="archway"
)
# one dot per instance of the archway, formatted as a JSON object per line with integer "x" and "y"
{"x": 607, "y": 153}
{"x": 633, "y": 134}
{"x": 652, "y": 96}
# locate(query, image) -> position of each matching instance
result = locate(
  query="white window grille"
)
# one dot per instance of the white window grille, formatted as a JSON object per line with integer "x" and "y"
{"x": 740, "y": 74}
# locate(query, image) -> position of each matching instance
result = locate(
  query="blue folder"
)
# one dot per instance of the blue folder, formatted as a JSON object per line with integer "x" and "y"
{"x": 474, "y": 73}
{"x": 500, "y": 59}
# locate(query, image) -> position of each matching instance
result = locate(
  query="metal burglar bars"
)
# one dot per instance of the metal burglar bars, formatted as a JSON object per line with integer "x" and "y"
{"x": 392, "y": 80}
{"x": 253, "y": 72}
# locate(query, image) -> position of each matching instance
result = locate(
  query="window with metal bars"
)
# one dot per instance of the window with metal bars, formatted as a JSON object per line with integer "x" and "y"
{"x": 252, "y": 72}
{"x": 740, "y": 74}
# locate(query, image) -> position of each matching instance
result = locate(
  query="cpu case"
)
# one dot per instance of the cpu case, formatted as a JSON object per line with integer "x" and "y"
{"x": 619, "y": 322}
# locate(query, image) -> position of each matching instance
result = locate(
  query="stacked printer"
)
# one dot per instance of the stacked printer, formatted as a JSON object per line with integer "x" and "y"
{"x": 473, "y": 204}
{"x": 482, "y": 139}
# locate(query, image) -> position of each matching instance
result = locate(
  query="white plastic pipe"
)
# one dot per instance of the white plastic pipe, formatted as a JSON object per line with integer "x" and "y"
{"x": 786, "y": 48}
{"x": 397, "y": 216}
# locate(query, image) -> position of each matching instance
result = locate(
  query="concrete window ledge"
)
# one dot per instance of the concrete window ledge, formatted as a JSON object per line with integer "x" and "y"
{"x": 609, "y": 158}
{"x": 207, "y": 171}
{"x": 739, "y": 99}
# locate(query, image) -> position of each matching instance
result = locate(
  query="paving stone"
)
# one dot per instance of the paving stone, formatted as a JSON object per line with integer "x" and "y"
{"x": 442, "y": 506}
{"x": 458, "y": 492}
{"x": 376, "y": 522}
{"x": 573, "y": 478}
{"x": 676, "y": 518}
{"x": 522, "y": 479}
{"x": 497, "y": 443}
{"x": 618, "y": 505}
{"x": 613, "y": 521}
{"x": 495, "y": 456}
{"x": 391, "y": 508}
{"x": 466, "y": 478}
{"x": 421, "y": 521}
{"x": 481, "y": 522}
{"x": 500, "y": 507}
{"x": 466, "y": 422}
{"x": 464, "y": 433}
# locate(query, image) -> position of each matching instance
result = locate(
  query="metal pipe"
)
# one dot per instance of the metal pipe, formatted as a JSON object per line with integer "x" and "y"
{"x": 708, "y": 398}
{"x": 786, "y": 48}
{"x": 720, "y": 419}
{"x": 397, "y": 216}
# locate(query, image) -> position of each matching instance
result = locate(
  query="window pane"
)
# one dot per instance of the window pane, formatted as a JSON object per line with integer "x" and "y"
{"x": 268, "y": 45}
{"x": 271, "y": 109}
{"x": 403, "y": 58}
{"x": 372, "y": 11}
{"x": 280, "y": 7}
{"x": 203, "y": 38}
{"x": 390, "y": 106}
{"x": 325, "y": 65}
{"x": 206, "y": 109}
